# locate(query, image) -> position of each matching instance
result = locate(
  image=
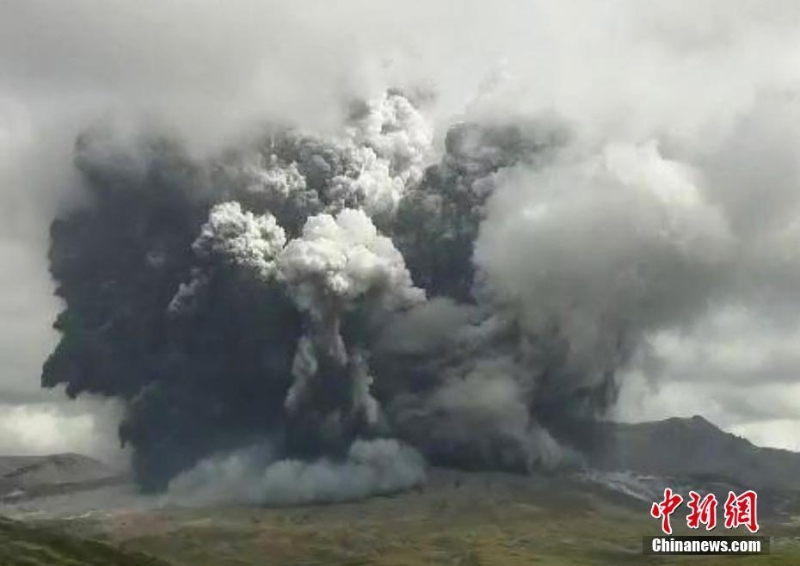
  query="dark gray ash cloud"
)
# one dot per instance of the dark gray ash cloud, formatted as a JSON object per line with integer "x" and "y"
{"x": 446, "y": 231}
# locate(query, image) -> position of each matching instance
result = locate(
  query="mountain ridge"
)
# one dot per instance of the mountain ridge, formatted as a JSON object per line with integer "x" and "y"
{"x": 686, "y": 447}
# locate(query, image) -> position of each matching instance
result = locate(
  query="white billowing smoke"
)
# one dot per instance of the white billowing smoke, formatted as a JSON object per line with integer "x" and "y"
{"x": 252, "y": 475}
{"x": 593, "y": 252}
{"x": 390, "y": 144}
{"x": 237, "y": 238}
{"x": 582, "y": 255}
{"x": 582, "y": 252}
{"x": 333, "y": 264}
{"x": 340, "y": 259}
{"x": 380, "y": 154}
{"x": 249, "y": 241}
{"x": 336, "y": 261}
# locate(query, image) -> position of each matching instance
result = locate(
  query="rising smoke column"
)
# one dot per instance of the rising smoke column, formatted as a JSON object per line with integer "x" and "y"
{"x": 184, "y": 299}
{"x": 328, "y": 305}
{"x": 626, "y": 243}
{"x": 337, "y": 262}
{"x": 576, "y": 259}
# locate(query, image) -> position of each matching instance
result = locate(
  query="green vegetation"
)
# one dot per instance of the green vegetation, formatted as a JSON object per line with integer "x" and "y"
{"x": 520, "y": 537}
{"x": 469, "y": 524}
{"x": 24, "y": 545}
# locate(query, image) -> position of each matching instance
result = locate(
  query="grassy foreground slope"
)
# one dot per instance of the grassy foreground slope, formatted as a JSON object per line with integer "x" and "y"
{"x": 460, "y": 519}
{"x": 24, "y": 545}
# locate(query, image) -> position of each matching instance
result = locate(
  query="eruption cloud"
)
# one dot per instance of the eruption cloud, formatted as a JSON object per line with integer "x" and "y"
{"x": 319, "y": 315}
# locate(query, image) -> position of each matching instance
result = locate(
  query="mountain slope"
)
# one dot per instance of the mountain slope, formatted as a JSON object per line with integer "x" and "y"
{"x": 692, "y": 447}
{"x": 22, "y": 476}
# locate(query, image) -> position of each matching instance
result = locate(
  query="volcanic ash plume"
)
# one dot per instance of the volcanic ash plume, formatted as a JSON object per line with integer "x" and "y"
{"x": 335, "y": 264}
{"x": 313, "y": 317}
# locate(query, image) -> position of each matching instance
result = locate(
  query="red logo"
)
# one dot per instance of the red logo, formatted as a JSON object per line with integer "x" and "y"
{"x": 740, "y": 510}
{"x": 703, "y": 511}
{"x": 665, "y": 508}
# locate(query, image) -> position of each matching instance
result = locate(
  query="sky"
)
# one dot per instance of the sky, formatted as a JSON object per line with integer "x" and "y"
{"x": 715, "y": 84}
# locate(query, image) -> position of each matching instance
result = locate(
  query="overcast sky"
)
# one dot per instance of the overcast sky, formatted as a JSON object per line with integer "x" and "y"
{"x": 716, "y": 83}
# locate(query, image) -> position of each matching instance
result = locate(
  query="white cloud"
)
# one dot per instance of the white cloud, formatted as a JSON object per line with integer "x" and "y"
{"x": 89, "y": 428}
{"x": 737, "y": 367}
{"x": 776, "y": 433}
